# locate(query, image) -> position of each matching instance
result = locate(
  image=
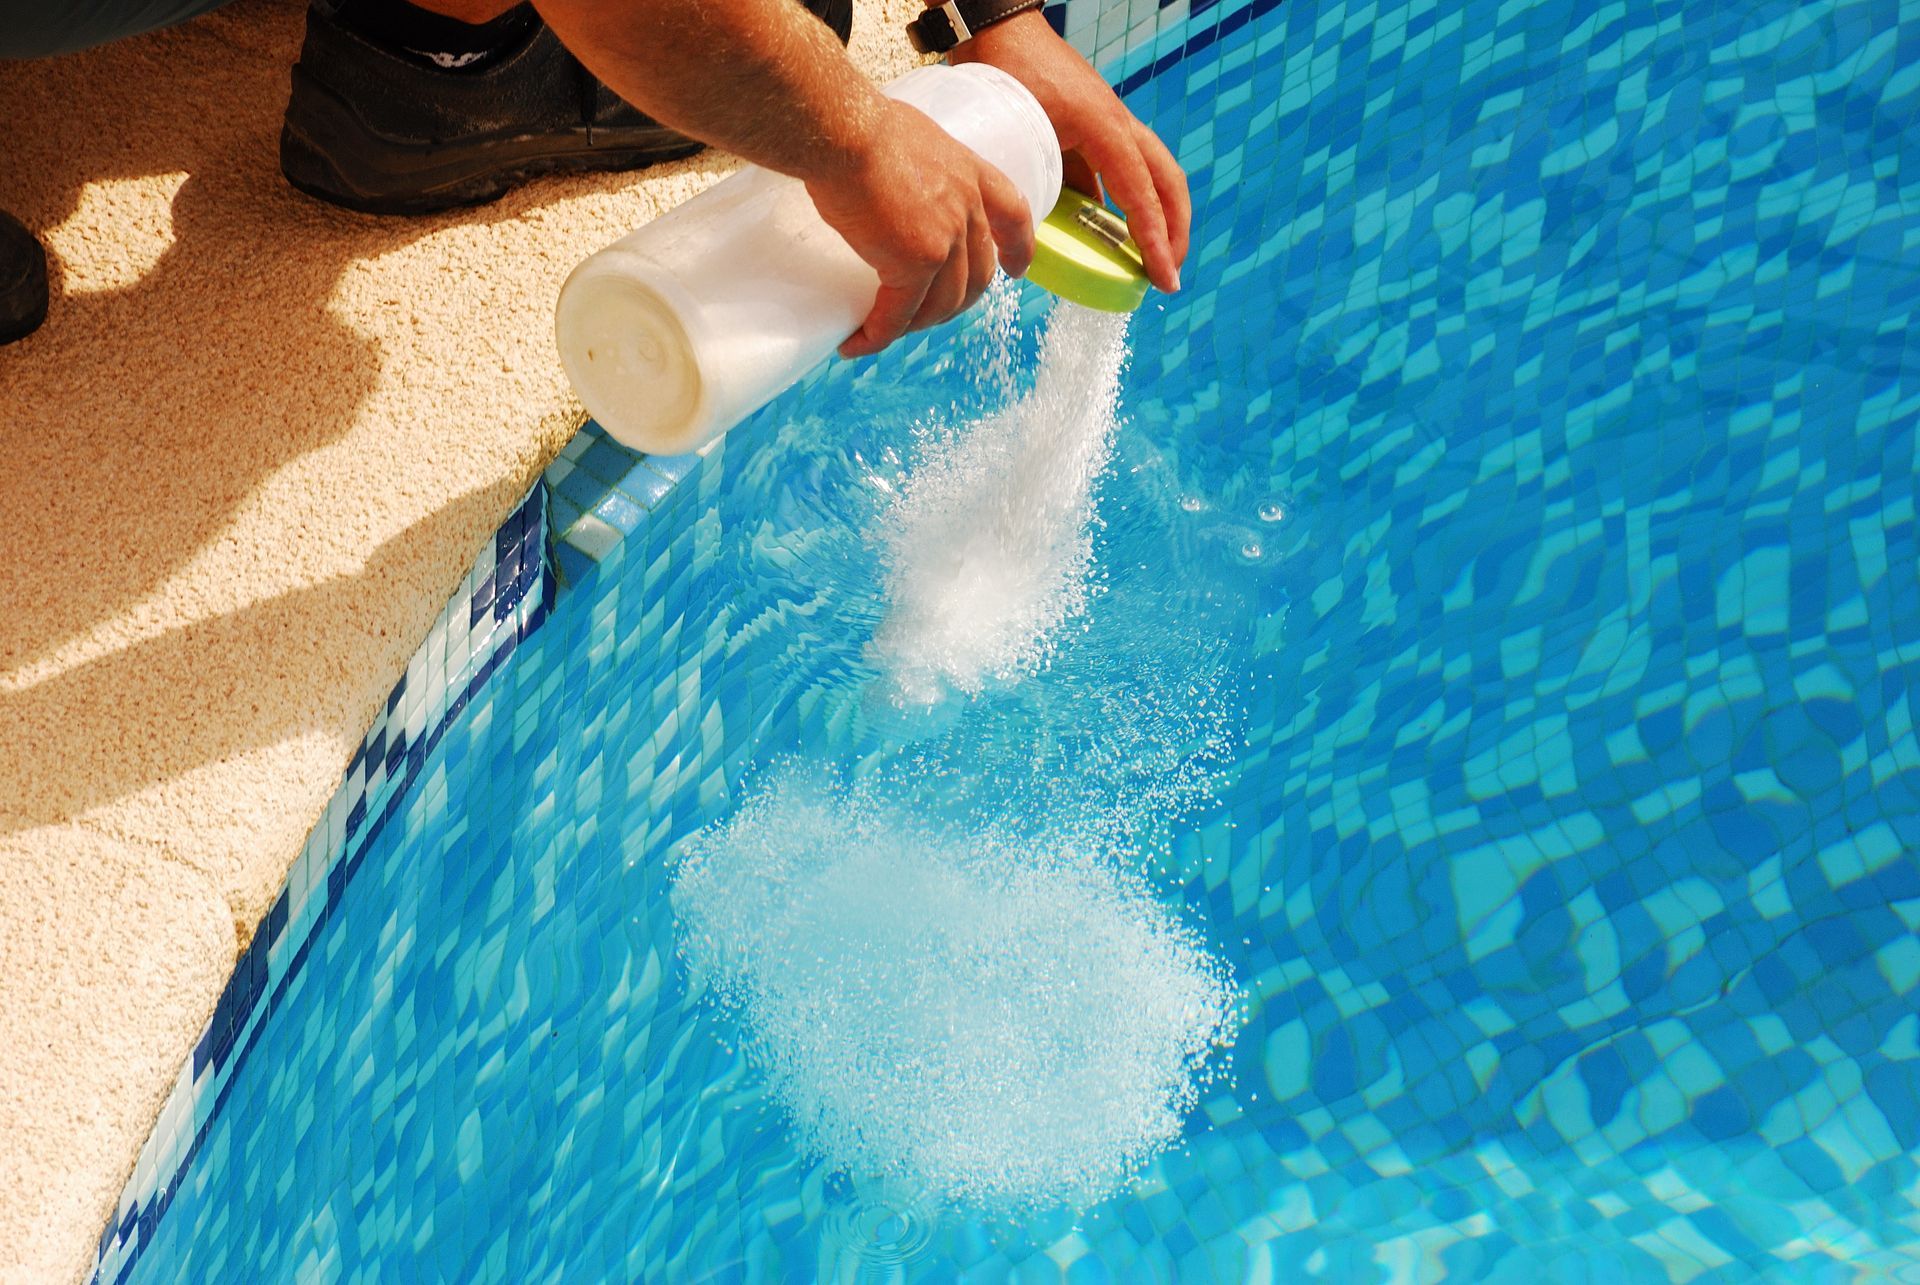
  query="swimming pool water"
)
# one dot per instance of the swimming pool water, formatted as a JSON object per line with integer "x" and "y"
{"x": 1502, "y": 655}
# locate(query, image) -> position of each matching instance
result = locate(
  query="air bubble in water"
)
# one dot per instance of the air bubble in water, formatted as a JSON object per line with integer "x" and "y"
{"x": 872, "y": 1232}
{"x": 1272, "y": 513}
{"x": 1192, "y": 504}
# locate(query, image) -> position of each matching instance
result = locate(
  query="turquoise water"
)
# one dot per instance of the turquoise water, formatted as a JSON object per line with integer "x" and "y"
{"x": 1491, "y": 660}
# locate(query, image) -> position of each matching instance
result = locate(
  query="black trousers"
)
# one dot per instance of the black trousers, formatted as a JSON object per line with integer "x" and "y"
{"x": 40, "y": 28}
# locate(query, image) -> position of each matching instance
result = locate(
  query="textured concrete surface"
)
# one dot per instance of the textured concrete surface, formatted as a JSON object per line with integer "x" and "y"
{"x": 251, "y": 453}
{"x": 108, "y": 958}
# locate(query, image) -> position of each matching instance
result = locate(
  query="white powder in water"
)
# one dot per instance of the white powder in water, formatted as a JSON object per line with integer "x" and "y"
{"x": 1009, "y": 1022}
{"x": 988, "y": 550}
{"x": 1006, "y": 1016}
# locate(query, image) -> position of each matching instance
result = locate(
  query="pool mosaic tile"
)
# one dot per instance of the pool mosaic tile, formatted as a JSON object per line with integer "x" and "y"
{"x": 505, "y": 597}
{"x": 1573, "y": 848}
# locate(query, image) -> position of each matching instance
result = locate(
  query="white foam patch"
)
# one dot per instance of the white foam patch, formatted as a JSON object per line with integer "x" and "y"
{"x": 1008, "y": 1022}
{"x": 988, "y": 548}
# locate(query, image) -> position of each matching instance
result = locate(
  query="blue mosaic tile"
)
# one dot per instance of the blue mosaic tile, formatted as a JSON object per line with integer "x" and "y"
{"x": 505, "y": 597}
{"x": 1568, "y": 858}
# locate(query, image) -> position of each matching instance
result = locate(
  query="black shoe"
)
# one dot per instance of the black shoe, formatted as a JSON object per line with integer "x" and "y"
{"x": 23, "y": 281}
{"x": 375, "y": 129}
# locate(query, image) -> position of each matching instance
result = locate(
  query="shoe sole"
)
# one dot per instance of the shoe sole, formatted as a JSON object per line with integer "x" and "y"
{"x": 17, "y": 330}
{"x": 332, "y": 155}
{"x": 24, "y": 295}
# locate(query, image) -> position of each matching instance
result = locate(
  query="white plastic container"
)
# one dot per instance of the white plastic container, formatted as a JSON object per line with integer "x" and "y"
{"x": 679, "y": 330}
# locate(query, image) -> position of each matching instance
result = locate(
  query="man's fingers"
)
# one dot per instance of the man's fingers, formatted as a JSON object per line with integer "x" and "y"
{"x": 1170, "y": 181}
{"x": 935, "y": 278}
{"x": 981, "y": 259}
{"x": 1009, "y": 219}
{"x": 1079, "y": 175}
{"x": 893, "y": 311}
{"x": 946, "y": 295}
{"x": 1131, "y": 186}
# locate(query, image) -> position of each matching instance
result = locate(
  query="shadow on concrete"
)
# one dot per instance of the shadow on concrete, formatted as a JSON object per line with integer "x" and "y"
{"x": 139, "y": 418}
{"x": 219, "y": 659}
{"x": 143, "y": 415}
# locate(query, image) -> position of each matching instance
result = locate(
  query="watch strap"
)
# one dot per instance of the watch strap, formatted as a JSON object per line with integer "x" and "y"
{"x": 941, "y": 27}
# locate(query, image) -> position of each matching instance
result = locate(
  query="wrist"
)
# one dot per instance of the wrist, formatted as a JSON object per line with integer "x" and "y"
{"x": 841, "y": 148}
{"x": 1017, "y": 30}
{"x": 946, "y": 26}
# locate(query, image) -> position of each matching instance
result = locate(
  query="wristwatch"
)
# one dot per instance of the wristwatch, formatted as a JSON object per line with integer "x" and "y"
{"x": 942, "y": 27}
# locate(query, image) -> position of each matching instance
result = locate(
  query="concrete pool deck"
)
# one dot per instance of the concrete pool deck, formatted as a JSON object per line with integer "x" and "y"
{"x": 255, "y": 447}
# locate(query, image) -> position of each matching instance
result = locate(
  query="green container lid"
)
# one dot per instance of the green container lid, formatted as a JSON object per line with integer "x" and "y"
{"x": 1082, "y": 252}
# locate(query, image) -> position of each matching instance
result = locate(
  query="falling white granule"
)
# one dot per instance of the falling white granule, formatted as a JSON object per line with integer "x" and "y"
{"x": 1006, "y": 1022}
{"x": 989, "y": 548}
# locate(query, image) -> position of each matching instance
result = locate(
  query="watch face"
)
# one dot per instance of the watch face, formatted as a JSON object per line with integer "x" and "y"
{"x": 932, "y": 32}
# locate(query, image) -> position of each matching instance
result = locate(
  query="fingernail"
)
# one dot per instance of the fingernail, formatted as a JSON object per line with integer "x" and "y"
{"x": 1176, "y": 280}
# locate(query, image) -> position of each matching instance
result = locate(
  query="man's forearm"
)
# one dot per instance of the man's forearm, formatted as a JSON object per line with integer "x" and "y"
{"x": 763, "y": 79}
{"x": 768, "y": 81}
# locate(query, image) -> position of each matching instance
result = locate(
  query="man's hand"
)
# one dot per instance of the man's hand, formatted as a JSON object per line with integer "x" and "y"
{"x": 767, "y": 81}
{"x": 1100, "y": 137}
{"x": 930, "y": 216}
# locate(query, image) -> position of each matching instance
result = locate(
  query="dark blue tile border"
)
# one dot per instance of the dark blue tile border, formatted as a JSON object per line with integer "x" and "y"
{"x": 378, "y": 779}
